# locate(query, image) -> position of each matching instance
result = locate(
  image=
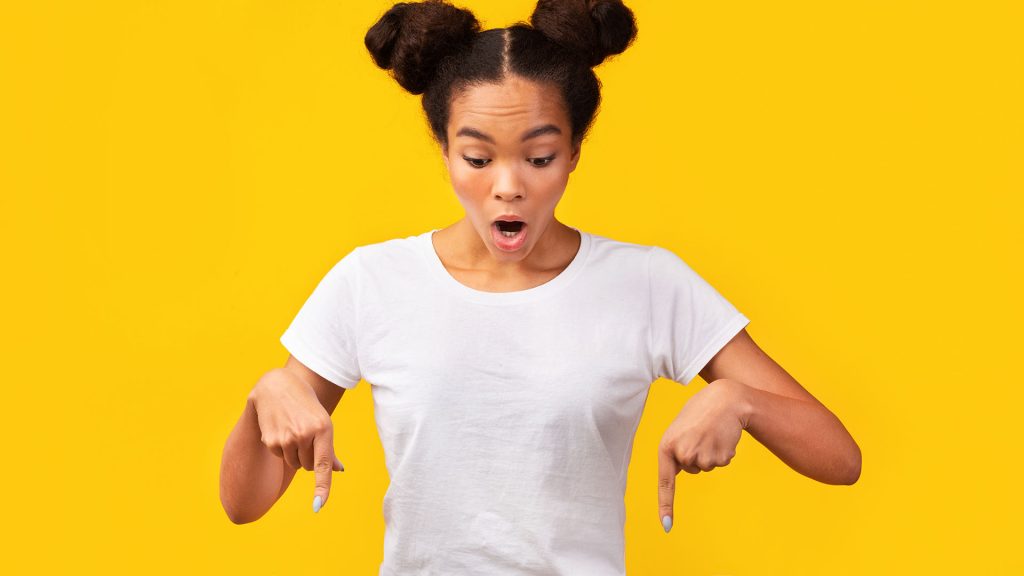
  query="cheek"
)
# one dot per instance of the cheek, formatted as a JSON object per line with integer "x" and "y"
{"x": 458, "y": 173}
{"x": 470, "y": 189}
{"x": 553, "y": 184}
{"x": 469, "y": 182}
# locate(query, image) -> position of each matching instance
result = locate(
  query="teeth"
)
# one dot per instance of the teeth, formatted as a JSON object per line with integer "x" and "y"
{"x": 508, "y": 234}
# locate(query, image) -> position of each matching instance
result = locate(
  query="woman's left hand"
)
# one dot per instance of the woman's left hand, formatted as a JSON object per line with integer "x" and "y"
{"x": 702, "y": 437}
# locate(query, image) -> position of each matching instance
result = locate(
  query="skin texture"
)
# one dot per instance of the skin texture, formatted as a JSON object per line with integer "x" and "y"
{"x": 508, "y": 176}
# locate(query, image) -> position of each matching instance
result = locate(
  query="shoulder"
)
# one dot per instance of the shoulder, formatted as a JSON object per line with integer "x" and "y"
{"x": 610, "y": 250}
{"x": 391, "y": 248}
{"x": 392, "y": 260}
{"x": 651, "y": 260}
{"x": 664, "y": 261}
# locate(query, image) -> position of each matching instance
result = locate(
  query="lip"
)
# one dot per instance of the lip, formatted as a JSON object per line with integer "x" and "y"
{"x": 509, "y": 218}
{"x": 506, "y": 244}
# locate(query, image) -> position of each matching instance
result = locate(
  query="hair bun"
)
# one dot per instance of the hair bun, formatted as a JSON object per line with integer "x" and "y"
{"x": 596, "y": 29}
{"x": 412, "y": 38}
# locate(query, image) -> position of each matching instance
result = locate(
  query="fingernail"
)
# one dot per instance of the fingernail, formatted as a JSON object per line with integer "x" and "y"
{"x": 666, "y": 522}
{"x": 318, "y": 502}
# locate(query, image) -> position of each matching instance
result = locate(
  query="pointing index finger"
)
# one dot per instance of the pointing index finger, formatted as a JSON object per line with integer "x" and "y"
{"x": 323, "y": 465}
{"x": 667, "y": 470}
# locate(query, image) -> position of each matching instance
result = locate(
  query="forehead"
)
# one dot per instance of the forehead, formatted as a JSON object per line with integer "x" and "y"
{"x": 506, "y": 107}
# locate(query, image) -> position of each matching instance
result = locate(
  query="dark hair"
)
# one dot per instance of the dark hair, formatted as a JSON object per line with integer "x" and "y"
{"x": 436, "y": 49}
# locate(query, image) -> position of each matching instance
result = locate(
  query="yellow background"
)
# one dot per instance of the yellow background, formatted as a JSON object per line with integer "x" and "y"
{"x": 176, "y": 177}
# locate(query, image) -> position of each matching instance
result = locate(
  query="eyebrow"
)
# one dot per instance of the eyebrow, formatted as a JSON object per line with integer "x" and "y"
{"x": 538, "y": 131}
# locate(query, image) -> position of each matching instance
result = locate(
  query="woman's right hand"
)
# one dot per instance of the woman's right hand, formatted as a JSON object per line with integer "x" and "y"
{"x": 295, "y": 426}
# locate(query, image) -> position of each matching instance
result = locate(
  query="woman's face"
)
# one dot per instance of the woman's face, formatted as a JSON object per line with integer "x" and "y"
{"x": 509, "y": 156}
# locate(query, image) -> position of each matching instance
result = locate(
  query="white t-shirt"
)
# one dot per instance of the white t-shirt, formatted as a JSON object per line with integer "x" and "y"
{"x": 507, "y": 418}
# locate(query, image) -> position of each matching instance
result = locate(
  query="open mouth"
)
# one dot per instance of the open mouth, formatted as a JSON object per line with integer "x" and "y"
{"x": 509, "y": 235}
{"x": 509, "y": 229}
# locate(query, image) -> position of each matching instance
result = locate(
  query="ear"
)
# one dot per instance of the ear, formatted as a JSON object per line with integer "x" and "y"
{"x": 575, "y": 156}
{"x": 444, "y": 156}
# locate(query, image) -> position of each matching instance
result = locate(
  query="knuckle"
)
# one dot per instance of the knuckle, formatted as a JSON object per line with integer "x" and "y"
{"x": 304, "y": 433}
{"x": 319, "y": 424}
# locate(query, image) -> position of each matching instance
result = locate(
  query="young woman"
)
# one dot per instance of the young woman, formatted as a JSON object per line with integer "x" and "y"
{"x": 510, "y": 354}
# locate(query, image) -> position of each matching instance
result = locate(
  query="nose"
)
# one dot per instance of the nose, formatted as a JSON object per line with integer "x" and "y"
{"x": 508, "y": 183}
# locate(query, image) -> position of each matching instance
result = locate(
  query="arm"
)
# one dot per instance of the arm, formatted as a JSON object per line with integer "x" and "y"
{"x": 782, "y": 415}
{"x": 252, "y": 478}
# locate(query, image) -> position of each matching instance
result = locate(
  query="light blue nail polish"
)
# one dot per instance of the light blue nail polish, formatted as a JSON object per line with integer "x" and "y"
{"x": 666, "y": 522}
{"x": 317, "y": 503}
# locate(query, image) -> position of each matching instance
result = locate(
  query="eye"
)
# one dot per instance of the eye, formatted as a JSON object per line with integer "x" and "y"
{"x": 474, "y": 161}
{"x": 543, "y": 161}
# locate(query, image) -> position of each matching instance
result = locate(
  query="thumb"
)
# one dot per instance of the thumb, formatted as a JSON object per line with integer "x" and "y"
{"x": 323, "y": 465}
{"x": 338, "y": 466}
{"x": 667, "y": 470}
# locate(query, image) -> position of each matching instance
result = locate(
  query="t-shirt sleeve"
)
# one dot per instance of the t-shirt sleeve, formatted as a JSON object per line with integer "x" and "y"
{"x": 323, "y": 333}
{"x": 690, "y": 320}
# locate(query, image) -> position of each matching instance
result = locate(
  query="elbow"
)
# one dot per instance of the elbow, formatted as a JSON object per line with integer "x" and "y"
{"x": 239, "y": 517}
{"x": 237, "y": 520}
{"x": 237, "y": 514}
{"x": 234, "y": 514}
{"x": 235, "y": 517}
{"x": 853, "y": 470}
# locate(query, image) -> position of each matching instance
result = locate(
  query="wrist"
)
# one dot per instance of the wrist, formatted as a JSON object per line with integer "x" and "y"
{"x": 740, "y": 399}
{"x": 264, "y": 385}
